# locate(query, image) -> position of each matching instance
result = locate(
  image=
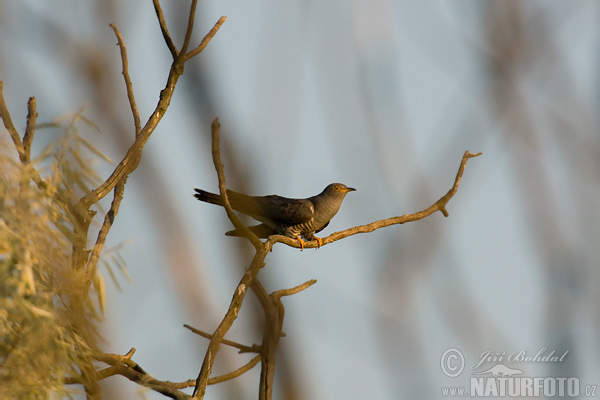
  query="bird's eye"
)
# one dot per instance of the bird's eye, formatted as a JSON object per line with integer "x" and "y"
{"x": 337, "y": 188}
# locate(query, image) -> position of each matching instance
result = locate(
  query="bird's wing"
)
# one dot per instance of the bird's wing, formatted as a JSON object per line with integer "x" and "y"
{"x": 286, "y": 211}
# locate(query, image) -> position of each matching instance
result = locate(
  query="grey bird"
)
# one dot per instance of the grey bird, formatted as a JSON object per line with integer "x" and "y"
{"x": 295, "y": 218}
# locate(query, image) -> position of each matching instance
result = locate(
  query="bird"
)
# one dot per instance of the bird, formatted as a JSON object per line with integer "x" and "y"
{"x": 294, "y": 218}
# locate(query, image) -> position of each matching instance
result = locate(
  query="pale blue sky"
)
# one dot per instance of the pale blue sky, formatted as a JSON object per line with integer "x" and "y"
{"x": 384, "y": 96}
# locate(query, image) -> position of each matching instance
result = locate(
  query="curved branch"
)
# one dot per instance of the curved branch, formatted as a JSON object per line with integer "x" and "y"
{"x": 288, "y": 292}
{"x": 128, "y": 84}
{"x": 106, "y": 225}
{"x": 216, "y": 154}
{"x": 234, "y": 374}
{"x": 8, "y": 124}
{"x": 164, "y": 30}
{"x": 439, "y": 205}
{"x": 243, "y": 348}
{"x": 206, "y": 39}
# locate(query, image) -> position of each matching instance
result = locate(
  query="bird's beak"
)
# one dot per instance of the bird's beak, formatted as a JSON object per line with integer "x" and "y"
{"x": 349, "y": 189}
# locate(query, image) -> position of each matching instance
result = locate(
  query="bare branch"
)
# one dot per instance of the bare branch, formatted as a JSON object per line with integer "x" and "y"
{"x": 30, "y": 129}
{"x": 188, "y": 35}
{"x": 128, "y": 84}
{"x": 234, "y": 307}
{"x": 234, "y": 374}
{"x": 288, "y": 292}
{"x": 243, "y": 348}
{"x": 215, "y": 129}
{"x": 164, "y": 30}
{"x": 206, "y": 39}
{"x": 106, "y": 225}
{"x": 130, "y": 161}
{"x": 120, "y": 366}
{"x": 439, "y": 205}
{"x": 8, "y": 124}
{"x": 273, "y": 331}
{"x": 24, "y": 155}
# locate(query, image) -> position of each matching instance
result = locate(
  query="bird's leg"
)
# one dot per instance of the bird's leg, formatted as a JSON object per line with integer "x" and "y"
{"x": 319, "y": 242}
{"x": 301, "y": 242}
{"x": 311, "y": 236}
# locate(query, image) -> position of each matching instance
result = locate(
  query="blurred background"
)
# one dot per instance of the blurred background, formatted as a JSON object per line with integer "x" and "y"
{"x": 384, "y": 96}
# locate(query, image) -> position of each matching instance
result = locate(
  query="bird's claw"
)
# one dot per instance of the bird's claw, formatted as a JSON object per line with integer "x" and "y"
{"x": 318, "y": 239}
{"x": 319, "y": 242}
{"x": 301, "y": 242}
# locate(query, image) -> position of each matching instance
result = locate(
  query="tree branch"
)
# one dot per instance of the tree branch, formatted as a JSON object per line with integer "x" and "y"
{"x": 288, "y": 292}
{"x": 439, "y": 205}
{"x": 128, "y": 84}
{"x": 106, "y": 225}
{"x": 123, "y": 365}
{"x": 8, "y": 124}
{"x": 132, "y": 157}
{"x": 234, "y": 374}
{"x": 243, "y": 348}
{"x": 24, "y": 152}
{"x": 216, "y": 143}
{"x": 188, "y": 35}
{"x": 206, "y": 39}
{"x": 273, "y": 331}
{"x": 29, "y": 130}
{"x": 164, "y": 30}
{"x": 228, "y": 319}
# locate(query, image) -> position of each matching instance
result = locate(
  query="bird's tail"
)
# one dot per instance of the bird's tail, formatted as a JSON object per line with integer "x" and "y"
{"x": 209, "y": 197}
{"x": 240, "y": 202}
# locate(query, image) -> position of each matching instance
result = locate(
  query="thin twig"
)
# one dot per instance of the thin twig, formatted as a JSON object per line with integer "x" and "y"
{"x": 439, "y": 205}
{"x": 8, "y": 124}
{"x": 128, "y": 84}
{"x": 234, "y": 374}
{"x": 122, "y": 365}
{"x": 243, "y": 348}
{"x": 25, "y": 160}
{"x": 288, "y": 292}
{"x": 216, "y": 155}
{"x": 106, "y": 225}
{"x": 188, "y": 34}
{"x": 206, "y": 39}
{"x": 164, "y": 30}
{"x": 30, "y": 129}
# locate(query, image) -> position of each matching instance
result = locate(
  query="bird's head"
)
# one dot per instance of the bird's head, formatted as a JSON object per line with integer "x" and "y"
{"x": 338, "y": 190}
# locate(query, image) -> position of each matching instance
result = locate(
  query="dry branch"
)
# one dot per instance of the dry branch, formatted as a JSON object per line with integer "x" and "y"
{"x": 29, "y": 130}
{"x": 243, "y": 348}
{"x": 164, "y": 30}
{"x": 216, "y": 155}
{"x": 206, "y": 39}
{"x": 128, "y": 84}
{"x": 103, "y": 233}
{"x": 439, "y": 205}
{"x": 131, "y": 159}
{"x": 8, "y": 124}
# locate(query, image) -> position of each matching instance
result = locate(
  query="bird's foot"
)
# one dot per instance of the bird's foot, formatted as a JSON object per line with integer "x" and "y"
{"x": 319, "y": 242}
{"x": 301, "y": 242}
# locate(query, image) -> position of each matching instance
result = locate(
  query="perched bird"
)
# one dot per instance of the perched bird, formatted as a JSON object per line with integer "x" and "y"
{"x": 295, "y": 218}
